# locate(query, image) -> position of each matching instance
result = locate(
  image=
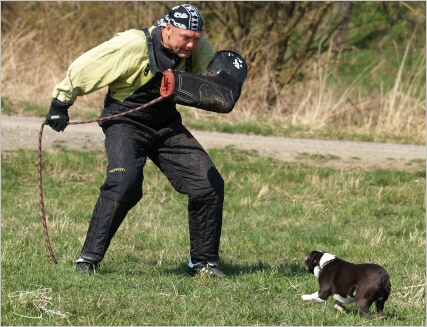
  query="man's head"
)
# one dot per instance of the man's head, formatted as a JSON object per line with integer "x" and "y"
{"x": 183, "y": 27}
{"x": 185, "y": 17}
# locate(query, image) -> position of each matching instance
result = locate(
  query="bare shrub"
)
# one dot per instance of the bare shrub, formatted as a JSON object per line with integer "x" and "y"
{"x": 316, "y": 102}
{"x": 41, "y": 39}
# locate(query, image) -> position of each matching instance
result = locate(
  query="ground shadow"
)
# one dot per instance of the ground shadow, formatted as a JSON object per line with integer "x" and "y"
{"x": 286, "y": 268}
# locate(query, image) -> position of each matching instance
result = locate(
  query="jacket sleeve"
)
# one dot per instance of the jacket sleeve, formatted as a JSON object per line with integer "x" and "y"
{"x": 202, "y": 56}
{"x": 118, "y": 61}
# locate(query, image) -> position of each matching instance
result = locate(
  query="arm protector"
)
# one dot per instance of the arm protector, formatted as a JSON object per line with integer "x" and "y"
{"x": 217, "y": 90}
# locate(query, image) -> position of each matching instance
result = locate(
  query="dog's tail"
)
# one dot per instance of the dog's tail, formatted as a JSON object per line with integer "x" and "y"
{"x": 384, "y": 293}
{"x": 386, "y": 285}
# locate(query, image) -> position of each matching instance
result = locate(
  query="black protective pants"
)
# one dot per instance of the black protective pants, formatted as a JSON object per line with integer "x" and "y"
{"x": 186, "y": 165}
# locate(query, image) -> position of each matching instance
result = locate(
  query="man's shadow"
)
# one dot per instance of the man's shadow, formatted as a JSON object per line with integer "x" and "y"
{"x": 286, "y": 268}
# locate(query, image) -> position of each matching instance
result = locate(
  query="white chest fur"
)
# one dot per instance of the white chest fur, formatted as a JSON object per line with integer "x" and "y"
{"x": 343, "y": 300}
{"x": 326, "y": 258}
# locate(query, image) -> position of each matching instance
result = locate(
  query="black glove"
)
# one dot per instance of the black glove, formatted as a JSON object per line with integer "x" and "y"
{"x": 57, "y": 117}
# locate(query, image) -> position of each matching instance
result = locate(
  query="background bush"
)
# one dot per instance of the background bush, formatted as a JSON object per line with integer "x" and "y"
{"x": 357, "y": 65}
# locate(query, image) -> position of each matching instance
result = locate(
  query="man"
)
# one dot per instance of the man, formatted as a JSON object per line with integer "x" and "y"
{"x": 133, "y": 65}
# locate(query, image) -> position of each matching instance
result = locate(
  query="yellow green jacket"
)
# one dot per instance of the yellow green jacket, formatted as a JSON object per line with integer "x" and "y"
{"x": 121, "y": 64}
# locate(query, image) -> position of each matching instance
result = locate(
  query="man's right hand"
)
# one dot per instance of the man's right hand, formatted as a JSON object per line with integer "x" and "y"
{"x": 57, "y": 117}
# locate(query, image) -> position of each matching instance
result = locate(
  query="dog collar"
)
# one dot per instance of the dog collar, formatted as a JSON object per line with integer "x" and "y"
{"x": 328, "y": 259}
{"x": 318, "y": 269}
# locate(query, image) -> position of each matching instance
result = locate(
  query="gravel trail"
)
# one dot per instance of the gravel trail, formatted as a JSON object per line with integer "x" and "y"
{"x": 22, "y": 132}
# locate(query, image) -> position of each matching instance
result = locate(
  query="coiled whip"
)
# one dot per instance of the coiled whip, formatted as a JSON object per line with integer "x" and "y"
{"x": 42, "y": 208}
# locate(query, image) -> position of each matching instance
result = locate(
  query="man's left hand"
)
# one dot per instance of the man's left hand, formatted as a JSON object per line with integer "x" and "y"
{"x": 57, "y": 117}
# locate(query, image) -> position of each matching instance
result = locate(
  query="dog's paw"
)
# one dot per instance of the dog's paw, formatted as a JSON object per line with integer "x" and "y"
{"x": 306, "y": 297}
{"x": 310, "y": 297}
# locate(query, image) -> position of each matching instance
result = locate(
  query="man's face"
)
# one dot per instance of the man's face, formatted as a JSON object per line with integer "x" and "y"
{"x": 182, "y": 42}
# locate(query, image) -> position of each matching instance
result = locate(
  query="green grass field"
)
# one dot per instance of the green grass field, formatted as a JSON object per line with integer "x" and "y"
{"x": 275, "y": 213}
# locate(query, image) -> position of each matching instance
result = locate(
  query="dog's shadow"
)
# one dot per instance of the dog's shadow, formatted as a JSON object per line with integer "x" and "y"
{"x": 352, "y": 311}
{"x": 286, "y": 268}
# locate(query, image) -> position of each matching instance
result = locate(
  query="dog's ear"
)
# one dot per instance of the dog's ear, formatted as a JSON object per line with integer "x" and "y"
{"x": 311, "y": 262}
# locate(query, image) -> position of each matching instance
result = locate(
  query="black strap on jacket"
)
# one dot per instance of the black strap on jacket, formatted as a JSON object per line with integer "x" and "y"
{"x": 150, "y": 50}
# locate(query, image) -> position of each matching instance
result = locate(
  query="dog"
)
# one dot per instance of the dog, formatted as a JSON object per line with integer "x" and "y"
{"x": 347, "y": 282}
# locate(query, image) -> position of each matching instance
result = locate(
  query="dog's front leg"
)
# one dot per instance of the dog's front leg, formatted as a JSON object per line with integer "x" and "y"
{"x": 312, "y": 297}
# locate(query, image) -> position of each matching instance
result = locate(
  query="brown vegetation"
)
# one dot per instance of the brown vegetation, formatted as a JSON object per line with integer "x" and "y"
{"x": 295, "y": 53}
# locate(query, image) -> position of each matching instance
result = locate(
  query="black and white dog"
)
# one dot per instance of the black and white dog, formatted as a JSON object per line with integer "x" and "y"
{"x": 348, "y": 282}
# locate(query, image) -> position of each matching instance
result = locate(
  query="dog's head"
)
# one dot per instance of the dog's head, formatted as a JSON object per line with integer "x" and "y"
{"x": 315, "y": 260}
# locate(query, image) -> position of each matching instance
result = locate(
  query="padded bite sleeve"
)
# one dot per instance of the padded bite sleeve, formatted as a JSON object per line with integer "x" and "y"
{"x": 217, "y": 93}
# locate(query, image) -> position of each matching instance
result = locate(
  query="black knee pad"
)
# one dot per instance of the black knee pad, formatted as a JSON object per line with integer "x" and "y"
{"x": 122, "y": 188}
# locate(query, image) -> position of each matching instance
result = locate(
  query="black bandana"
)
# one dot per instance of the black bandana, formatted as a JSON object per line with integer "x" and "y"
{"x": 186, "y": 17}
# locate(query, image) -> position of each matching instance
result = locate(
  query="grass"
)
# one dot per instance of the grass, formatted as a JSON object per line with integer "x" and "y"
{"x": 275, "y": 213}
{"x": 25, "y": 108}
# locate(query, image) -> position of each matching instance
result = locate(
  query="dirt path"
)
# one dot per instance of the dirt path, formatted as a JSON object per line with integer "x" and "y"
{"x": 22, "y": 132}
